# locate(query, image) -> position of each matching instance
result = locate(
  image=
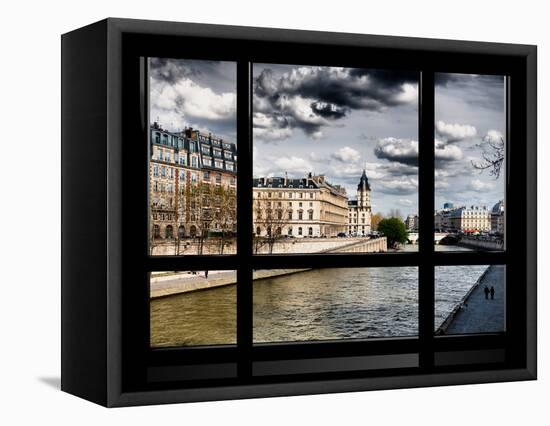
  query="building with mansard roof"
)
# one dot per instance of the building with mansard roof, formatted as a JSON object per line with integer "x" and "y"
{"x": 191, "y": 177}
{"x": 298, "y": 207}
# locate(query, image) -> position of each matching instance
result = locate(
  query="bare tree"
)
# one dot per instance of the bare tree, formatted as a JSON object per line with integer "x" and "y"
{"x": 271, "y": 216}
{"x": 225, "y": 215}
{"x": 492, "y": 156}
{"x": 153, "y": 241}
{"x": 201, "y": 197}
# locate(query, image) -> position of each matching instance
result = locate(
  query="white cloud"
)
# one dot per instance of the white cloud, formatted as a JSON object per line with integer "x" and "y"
{"x": 409, "y": 93}
{"x": 447, "y": 152}
{"x": 493, "y": 137}
{"x": 402, "y": 186}
{"x": 347, "y": 155}
{"x": 269, "y": 128}
{"x": 401, "y": 150}
{"x": 454, "y": 132}
{"x": 188, "y": 98}
{"x": 405, "y": 202}
{"x": 295, "y": 165}
{"x": 478, "y": 185}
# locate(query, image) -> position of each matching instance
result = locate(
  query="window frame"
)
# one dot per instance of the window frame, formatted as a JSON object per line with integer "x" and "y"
{"x": 139, "y": 40}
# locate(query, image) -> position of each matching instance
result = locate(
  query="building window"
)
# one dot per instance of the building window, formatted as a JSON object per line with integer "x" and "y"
{"x": 299, "y": 230}
{"x": 310, "y": 231}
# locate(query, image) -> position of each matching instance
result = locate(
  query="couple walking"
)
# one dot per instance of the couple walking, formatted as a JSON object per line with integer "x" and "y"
{"x": 488, "y": 291}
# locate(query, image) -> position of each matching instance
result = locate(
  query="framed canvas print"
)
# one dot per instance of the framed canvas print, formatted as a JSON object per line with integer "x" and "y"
{"x": 255, "y": 212}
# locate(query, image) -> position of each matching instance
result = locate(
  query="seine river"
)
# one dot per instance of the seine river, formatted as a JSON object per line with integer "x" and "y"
{"x": 321, "y": 304}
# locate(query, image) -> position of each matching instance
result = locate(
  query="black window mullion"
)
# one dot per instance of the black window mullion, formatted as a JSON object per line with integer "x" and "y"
{"x": 426, "y": 163}
{"x": 244, "y": 218}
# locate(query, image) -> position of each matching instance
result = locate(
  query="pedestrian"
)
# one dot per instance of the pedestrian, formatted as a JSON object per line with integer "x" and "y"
{"x": 205, "y": 274}
{"x": 486, "y": 291}
{"x": 492, "y": 292}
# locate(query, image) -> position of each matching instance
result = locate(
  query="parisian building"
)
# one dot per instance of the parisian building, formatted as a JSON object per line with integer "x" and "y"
{"x": 411, "y": 222}
{"x": 463, "y": 219}
{"x": 192, "y": 183}
{"x": 359, "y": 210}
{"x": 497, "y": 218}
{"x": 303, "y": 207}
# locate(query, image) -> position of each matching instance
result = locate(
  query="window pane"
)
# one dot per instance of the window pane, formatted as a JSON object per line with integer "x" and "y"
{"x": 470, "y": 132}
{"x": 193, "y": 157}
{"x": 335, "y": 159}
{"x": 469, "y": 299}
{"x": 340, "y": 303}
{"x": 181, "y": 315}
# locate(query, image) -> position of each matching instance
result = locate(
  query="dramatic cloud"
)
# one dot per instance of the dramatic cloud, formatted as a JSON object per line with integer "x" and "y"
{"x": 195, "y": 101}
{"x": 446, "y": 152}
{"x": 404, "y": 151}
{"x": 454, "y": 132}
{"x": 270, "y": 128}
{"x": 198, "y": 93}
{"x": 310, "y": 98}
{"x": 347, "y": 155}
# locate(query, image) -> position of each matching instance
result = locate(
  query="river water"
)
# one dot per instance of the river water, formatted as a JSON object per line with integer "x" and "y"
{"x": 322, "y": 304}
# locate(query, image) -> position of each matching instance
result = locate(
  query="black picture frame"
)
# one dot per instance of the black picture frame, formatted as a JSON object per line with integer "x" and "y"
{"x": 105, "y": 263}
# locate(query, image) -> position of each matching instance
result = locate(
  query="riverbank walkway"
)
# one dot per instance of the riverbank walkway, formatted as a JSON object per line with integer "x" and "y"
{"x": 167, "y": 284}
{"x": 475, "y": 314}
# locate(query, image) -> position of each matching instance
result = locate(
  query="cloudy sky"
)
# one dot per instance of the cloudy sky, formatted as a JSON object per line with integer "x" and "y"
{"x": 470, "y": 110}
{"x": 337, "y": 121}
{"x": 200, "y": 94}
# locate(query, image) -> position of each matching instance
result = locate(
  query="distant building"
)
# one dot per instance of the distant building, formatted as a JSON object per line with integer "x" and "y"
{"x": 411, "y": 222}
{"x": 497, "y": 218}
{"x": 304, "y": 207}
{"x": 442, "y": 220}
{"x": 359, "y": 210}
{"x": 448, "y": 206}
{"x": 470, "y": 219}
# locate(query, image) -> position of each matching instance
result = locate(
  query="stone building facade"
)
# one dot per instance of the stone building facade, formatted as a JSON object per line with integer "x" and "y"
{"x": 497, "y": 218}
{"x": 470, "y": 219}
{"x": 411, "y": 222}
{"x": 359, "y": 210}
{"x": 304, "y": 207}
{"x": 192, "y": 184}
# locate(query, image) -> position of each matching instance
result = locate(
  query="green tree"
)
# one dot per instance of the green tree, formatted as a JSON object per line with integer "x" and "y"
{"x": 394, "y": 230}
